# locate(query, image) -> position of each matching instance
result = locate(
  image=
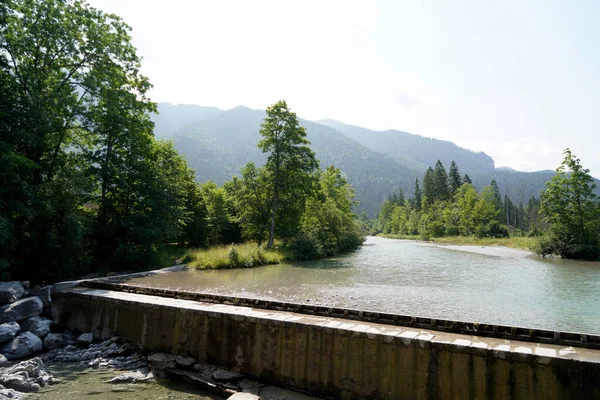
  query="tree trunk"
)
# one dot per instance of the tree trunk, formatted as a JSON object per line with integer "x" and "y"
{"x": 272, "y": 230}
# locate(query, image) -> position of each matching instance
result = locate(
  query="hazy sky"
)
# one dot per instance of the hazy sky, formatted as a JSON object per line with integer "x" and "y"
{"x": 519, "y": 80}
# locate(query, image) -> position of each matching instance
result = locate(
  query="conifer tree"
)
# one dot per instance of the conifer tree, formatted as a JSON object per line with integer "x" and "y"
{"x": 454, "y": 180}
{"x": 440, "y": 182}
{"x": 417, "y": 195}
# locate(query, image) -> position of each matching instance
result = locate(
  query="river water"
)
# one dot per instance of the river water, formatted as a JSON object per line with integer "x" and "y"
{"x": 467, "y": 283}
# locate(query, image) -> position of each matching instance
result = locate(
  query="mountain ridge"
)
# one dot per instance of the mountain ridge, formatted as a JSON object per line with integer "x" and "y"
{"x": 217, "y": 143}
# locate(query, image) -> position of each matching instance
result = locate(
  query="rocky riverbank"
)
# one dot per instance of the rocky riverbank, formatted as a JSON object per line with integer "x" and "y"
{"x": 131, "y": 367}
{"x": 27, "y": 334}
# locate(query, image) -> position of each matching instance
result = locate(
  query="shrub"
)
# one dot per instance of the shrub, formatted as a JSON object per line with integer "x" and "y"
{"x": 306, "y": 246}
{"x": 233, "y": 256}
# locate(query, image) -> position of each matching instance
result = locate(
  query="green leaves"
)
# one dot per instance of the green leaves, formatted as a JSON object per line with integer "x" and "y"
{"x": 572, "y": 211}
{"x": 289, "y": 168}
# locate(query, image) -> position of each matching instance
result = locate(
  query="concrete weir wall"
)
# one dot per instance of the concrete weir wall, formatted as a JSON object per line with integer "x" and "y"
{"x": 334, "y": 357}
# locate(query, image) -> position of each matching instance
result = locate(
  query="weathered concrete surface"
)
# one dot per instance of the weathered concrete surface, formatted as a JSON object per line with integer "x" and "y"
{"x": 332, "y": 356}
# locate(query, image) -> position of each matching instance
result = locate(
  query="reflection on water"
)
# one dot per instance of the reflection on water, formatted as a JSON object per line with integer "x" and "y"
{"x": 488, "y": 285}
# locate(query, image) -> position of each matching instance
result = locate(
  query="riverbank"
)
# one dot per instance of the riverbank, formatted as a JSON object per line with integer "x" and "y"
{"x": 520, "y": 243}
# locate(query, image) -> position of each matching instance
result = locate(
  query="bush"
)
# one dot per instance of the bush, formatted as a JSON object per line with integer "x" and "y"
{"x": 306, "y": 246}
{"x": 233, "y": 256}
{"x": 492, "y": 229}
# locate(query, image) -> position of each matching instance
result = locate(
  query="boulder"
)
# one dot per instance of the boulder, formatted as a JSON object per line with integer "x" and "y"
{"x": 184, "y": 362}
{"x": 23, "y": 345}
{"x": 21, "y": 309}
{"x": 55, "y": 341}
{"x": 8, "y": 331}
{"x": 11, "y": 292}
{"x": 3, "y": 361}
{"x": 223, "y": 375}
{"x": 162, "y": 360}
{"x": 43, "y": 293}
{"x": 37, "y": 325}
{"x": 85, "y": 339}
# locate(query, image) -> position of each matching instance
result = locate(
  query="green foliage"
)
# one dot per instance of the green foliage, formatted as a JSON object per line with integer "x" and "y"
{"x": 572, "y": 212}
{"x": 440, "y": 183}
{"x": 465, "y": 213}
{"x": 289, "y": 168}
{"x": 454, "y": 180}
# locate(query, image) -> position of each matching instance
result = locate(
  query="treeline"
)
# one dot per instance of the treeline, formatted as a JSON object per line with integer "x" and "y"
{"x": 447, "y": 204}
{"x": 84, "y": 186}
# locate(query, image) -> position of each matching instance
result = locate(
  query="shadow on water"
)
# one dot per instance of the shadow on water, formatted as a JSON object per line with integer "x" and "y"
{"x": 323, "y": 264}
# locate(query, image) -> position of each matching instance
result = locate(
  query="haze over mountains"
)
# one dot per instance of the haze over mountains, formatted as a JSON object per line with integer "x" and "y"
{"x": 218, "y": 143}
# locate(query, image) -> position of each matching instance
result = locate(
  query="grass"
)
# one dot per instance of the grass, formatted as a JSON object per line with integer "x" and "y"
{"x": 523, "y": 243}
{"x": 234, "y": 256}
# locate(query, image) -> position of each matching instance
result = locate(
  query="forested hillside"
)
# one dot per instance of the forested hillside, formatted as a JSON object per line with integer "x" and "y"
{"x": 417, "y": 150}
{"x": 218, "y": 143}
{"x": 219, "y": 146}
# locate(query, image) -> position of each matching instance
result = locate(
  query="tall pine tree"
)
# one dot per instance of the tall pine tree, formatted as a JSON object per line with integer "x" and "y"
{"x": 440, "y": 182}
{"x": 454, "y": 180}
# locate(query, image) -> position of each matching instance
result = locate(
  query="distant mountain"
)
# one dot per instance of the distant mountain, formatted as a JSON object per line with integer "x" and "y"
{"x": 173, "y": 117}
{"x": 218, "y": 147}
{"x": 506, "y": 169}
{"x": 424, "y": 152}
{"x": 418, "y": 151}
{"x": 218, "y": 143}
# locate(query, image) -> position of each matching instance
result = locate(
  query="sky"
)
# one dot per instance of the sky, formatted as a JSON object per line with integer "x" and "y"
{"x": 519, "y": 80}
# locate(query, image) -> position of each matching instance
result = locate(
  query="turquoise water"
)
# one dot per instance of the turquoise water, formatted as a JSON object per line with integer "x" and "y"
{"x": 466, "y": 283}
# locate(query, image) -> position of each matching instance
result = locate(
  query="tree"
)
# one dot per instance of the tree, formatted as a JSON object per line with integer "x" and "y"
{"x": 328, "y": 225}
{"x": 454, "y": 180}
{"x": 290, "y": 164}
{"x": 496, "y": 198}
{"x": 572, "y": 212}
{"x": 72, "y": 76}
{"x": 466, "y": 199}
{"x": 440, "y": 182}
{"x": 417, "y": 196}
{"x": 250, "y": 196}
{"x": 428, "y": 188}
{"x": 467, "y": 179}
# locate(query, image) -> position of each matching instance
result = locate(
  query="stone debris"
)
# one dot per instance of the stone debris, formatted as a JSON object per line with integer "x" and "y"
{"x": 21, "y": 309}
{"x": 6, "y": 393}
{"x": 134, "y": 376}
{"x": 23, "y": 345}
{"x": 243, "y": 396}
{"x": 11, "y": 292}
{"x": 27, "y": 376}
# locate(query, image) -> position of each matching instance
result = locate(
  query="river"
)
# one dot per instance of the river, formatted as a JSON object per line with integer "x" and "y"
{"x": 493, "y": 285}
